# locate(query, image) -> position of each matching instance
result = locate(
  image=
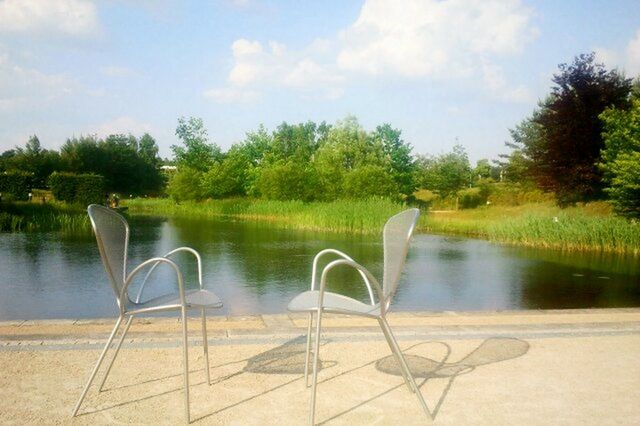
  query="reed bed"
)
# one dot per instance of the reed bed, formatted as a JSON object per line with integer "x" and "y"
{"x": 354, "y": 216}
{"x": 50, "y": 217}
{"x": 589, "y": 227}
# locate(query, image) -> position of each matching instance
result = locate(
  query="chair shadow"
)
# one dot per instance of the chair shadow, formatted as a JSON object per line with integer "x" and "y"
{"x": 492, "y": 350}
{"x": 286, "y": 359}
{"x": 289, "y": 359}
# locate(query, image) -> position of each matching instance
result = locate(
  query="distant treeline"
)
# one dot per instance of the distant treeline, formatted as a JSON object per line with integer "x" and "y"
{"x": 129, "y": 165}
{"x": 582, "y": 143}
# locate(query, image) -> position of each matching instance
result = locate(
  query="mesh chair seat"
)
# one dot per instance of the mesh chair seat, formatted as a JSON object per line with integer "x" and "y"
{"x": 195, "y": 299}
{"x": 332, "y": 302}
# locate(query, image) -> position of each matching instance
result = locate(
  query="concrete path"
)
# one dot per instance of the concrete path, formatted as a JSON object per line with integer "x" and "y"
{"x": 525, "y": 367}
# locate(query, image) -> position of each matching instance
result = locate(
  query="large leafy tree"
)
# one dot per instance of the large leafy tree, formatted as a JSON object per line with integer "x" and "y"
{"x": 566, "y": 140}
{"x": 399, "y": 154}
{"x": 446, "y": 173}
{"x": 195, "y": 152}
{"x": 621, "y": 158}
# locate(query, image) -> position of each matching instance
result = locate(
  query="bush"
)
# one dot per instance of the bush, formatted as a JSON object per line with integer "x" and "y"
{"x": 624, "y": 185}
{"x": 287, "y": 180}
{"x": 470, "y": 198}
{"x": 83, "y": 189}
{"x": 185, "y": 185}
{"x": 15, "y": 185}
{"x": 369, "y": 181}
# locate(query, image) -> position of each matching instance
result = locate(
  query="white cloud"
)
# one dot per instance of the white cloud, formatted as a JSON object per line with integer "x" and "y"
{"x": 257, "y": 67}
{"x": 633, "y": 55}
{"x": 121, "y": 125}
{"x": 432, "y": 38}
{"x": 607, "y": 57}
{"x": 66, "y": 17}
{"x": 499, "y": 88}
{"x": 443, "y": 39}
{"x": 26, "y": 87}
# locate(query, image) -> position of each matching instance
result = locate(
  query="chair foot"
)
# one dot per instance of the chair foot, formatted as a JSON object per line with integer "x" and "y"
{"x": 97, "y": 366}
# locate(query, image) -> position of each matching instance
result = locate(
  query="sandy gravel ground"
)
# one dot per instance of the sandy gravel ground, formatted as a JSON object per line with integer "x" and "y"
{"x": 574, "y": 367}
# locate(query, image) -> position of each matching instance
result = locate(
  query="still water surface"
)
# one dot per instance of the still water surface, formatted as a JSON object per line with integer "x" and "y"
{"x": 256, "y": 268}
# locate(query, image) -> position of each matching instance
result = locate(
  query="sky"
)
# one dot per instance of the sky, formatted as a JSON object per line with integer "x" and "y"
{"x": 443, "y": 72}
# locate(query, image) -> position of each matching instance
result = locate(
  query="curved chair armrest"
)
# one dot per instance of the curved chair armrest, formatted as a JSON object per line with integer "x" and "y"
{"x": 188, "y": 249}
{"x": 314, "y": 270}
{"x": 361, "y": 269}
{"x": 154, "y": 261}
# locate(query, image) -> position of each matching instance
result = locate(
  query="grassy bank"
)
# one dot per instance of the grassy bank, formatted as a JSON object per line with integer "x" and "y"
{"x": 590, "y": 227}
{"x": 338, "y": 216}
{"x": 39, "y": 217}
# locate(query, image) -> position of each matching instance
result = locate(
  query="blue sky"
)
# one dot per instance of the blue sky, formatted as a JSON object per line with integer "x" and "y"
{"x": 441, "y": 71}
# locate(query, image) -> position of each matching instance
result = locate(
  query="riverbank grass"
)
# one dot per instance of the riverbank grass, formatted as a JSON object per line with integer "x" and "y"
{"x": 43, "y": 217}
{"x": 588, "y": 227}
{"x": 354, "y": 216}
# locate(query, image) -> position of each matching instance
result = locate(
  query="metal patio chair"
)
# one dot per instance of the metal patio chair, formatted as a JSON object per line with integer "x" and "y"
{"x": 397, "y": 236}
{"x": 112, "y": 235}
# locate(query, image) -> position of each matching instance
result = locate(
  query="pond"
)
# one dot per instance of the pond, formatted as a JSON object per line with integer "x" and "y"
{"x": 256, "y": 268}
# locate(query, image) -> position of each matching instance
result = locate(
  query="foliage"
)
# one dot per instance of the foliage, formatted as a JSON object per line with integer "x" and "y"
{"x": 370, "y": 181}
{"x": 286, "y": 180}
{"x": 34, "y": 217}
{"x": 621, "y": 158}
{"x": 446, "y": 173}
{"x": 15, "y": 183}
{"x": 196, "y": 153}
{"x": 399, "y": 153}
{"x": 469, "y": 198}
{"x": 185, "y": 185}
{"x": 128, "y": 165}
{"x": 40, "y": 163}
{"x": 562, "y": 140}
{"x": 82, "y": 189}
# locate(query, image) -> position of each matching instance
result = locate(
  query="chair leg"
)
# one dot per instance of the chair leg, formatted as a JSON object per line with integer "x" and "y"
{"x": 115, "y": 355}
{"x": 308, "y": 352}
{"x": 403, "y": 363}
{"x": 404, "y": 374}
{"x": 95, "y": 369}
{"x": 316, "y": 353}
{"x": 185, "y": 364}
{"x": 205, "y": 345}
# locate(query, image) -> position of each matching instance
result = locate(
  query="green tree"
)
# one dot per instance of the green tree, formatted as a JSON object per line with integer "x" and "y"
{"x": 399, "y": 154}
{"x": 446, "y": 173}
{"x": 565, "y": 153}
{"x": 621, "y": 158}
{"x": 185, "y": 185}
{"x": 196, "y": 153}
{"x": 370, "y": 180}
{"x": 230, "y": 177}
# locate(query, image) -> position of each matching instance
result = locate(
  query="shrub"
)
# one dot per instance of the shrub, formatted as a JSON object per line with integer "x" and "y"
{"x": 470, "y": 198}
{"x": 185, "y": 185}
{"x": 83, "y": 189}
{"x": 15, "y": 185}
{"x": 286, "y": 180}
{"x": 369, "y": 181}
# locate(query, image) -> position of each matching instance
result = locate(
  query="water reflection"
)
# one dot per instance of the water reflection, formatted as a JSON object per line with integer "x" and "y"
{"x": 256, "y": 268}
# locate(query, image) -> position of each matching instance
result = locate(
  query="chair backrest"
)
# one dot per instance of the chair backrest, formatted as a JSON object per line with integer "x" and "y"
{"x": 112, "y": 235}
{"x": 397, "y": 236}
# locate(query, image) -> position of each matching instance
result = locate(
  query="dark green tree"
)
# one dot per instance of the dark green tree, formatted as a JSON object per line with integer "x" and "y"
{"x": 566, "y": 152}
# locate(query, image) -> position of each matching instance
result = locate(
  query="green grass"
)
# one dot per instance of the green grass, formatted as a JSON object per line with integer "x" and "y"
{"x": 367, "y": 216}
{"x": 38, "y": 217}
{"x": 590, "y": 227}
